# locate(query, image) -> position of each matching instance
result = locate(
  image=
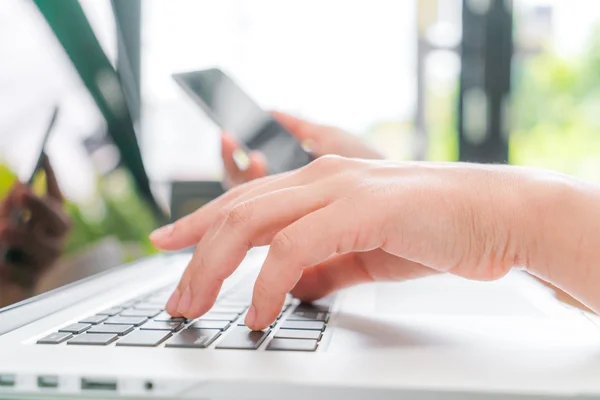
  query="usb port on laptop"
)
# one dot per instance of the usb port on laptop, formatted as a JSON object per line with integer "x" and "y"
{"x": 7, "y": 380}
{"x": 108, "y": 385}
{"x": 47, "y": 382}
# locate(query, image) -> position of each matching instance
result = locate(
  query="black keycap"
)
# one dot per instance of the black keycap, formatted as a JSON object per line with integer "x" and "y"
{"x": 55, "y": 338}
{"x": 75, "y": 328}
{"x": 165, "y": 317}
{"x": 100, "y": 339}
{"x": 111, "y": 311}
{"x": 242, "y": 339}
{"x": 94, "y": 319}
{"x": 116, "y": 329}
{"x": 194, "y": 338}
{"x": 162, "y": 326}
{"x": 312, "y": 307}
{"x": 242, "y": 323}
{"x": 309, "y": 315}
{"x": 308, "y": 325}
{"x": 292, "y": 345}
{"x": 214, "y": 316}
{"x": 222, "y": 325}
{"x": 119, "y": 320}
{"x": 298, "y": 334}
{"x": 144, "y": 338}
{"x": 141, "y": 313}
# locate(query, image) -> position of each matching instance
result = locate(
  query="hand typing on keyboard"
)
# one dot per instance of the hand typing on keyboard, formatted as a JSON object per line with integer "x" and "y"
{"x": 339, "y": 222}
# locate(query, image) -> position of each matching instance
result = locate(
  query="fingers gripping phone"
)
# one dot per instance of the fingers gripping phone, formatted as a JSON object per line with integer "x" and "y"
{"x": 236, "y": 113}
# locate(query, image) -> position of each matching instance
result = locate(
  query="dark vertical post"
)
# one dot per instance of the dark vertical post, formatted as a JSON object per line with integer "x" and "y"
{"x": 128, "y": 20}
{"x": 486, "y": 56}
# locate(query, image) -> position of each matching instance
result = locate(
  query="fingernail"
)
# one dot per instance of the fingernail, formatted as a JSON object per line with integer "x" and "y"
{"x": 173, "y": 301}
{"x": 251, "y": 316}
{"x": 308, "y": 145}
{"x": 162, "y": 233}
{"x": 241, "y": 159}
{"x": 185, "y": 302}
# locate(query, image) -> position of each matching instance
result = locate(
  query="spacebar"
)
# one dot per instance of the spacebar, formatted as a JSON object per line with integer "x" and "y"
{"x": 242, "y": 338}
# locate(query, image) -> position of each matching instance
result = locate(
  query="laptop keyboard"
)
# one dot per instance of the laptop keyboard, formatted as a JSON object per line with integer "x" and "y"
{"x": 142, "y": 322}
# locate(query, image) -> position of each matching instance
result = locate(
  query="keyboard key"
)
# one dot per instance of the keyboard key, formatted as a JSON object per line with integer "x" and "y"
{"x": 213, "y": 316}
{"x": 194, "y": 338}
{"x": 309, "y": 315}
{"x": 165, "y": 317}
{"x": 227, "y": 309}
{"x": 159, "y": 298}
{"x": 233, "y": 303}
{"x": 313, "y": 307}
{"x": 292, "y": 345}
{"x": 308, "y": 325}
{"x": 208, "y": 324}
{"x": 119, "y": 320}
{"x": 75, "y": 328}
{"x": 162, "y": 326}
{"x": 243, "y": 339}
{"x": 144, "y": 338}
{"x": 100, "y": 339}
{"x": 94, "y": 319}
{"x": 55, "y": 338}
{"x": 298, "y": 334}
{"x": 141, "y": 313}
{"x": 129, "y": 303}
{"x": 111, "y": 311}
{"x": 115, "y": 329}
{"x": 149, "y": 306}
{"x": 242, "y": 323}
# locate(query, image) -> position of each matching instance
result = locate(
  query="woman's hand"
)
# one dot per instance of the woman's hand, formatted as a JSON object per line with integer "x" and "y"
{"x": 321, "y": 140}
{"x": 339, "y": 222}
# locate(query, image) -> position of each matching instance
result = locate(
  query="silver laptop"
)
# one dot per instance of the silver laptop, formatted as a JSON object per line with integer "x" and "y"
{"x": 92, "y": 324}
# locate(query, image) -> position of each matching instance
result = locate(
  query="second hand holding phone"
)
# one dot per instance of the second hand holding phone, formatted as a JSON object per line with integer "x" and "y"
{"x": 237, "y": 114}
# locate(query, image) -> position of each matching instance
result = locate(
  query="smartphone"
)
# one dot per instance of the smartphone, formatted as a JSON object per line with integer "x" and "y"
{"x": 228, "y": 105}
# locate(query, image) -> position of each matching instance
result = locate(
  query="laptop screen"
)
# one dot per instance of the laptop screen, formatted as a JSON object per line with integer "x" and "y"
{"x": 83, "y": 213}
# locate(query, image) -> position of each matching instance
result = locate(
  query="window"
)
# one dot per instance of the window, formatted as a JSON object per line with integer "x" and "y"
{"x": 349, "y": 64}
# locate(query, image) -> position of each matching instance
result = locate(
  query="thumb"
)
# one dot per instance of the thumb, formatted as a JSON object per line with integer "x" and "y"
{"x": 309, "y": 134}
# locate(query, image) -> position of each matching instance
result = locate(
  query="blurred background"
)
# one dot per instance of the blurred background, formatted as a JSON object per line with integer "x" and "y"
{"x": 490, "y": 81}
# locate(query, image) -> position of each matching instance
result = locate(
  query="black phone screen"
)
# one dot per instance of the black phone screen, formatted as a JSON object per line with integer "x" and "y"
{"x": 236, "y": 113}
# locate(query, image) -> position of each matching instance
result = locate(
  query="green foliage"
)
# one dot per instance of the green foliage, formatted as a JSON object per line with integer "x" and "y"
{"x": 556, "y": 112}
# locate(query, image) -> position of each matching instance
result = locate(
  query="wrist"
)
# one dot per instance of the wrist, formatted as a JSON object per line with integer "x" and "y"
{"x": 562, "y": 225}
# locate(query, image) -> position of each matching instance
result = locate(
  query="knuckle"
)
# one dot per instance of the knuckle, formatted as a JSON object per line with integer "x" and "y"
{"x": 238, "y": 215}
{"x": 329, "y": 162}
{"x": 282, "y": 245}
{"x": 223, "y": 214}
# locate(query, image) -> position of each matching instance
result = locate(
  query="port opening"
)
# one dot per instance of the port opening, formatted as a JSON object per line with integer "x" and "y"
{"x": 47, "y": 382}
{"x": 108, "y": 385}
{"x": 7, "y": 380}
